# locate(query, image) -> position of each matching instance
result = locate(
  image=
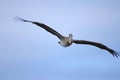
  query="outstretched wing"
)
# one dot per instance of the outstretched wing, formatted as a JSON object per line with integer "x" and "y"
{"x": 47, "y": 28}
{"x": 99, "y": 45}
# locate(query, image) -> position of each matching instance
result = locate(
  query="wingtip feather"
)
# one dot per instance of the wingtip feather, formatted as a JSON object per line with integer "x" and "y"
{"x": 116, "y": 54}
{"x": 20, "y": 19}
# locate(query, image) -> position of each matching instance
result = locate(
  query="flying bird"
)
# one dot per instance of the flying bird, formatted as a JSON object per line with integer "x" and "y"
{"x": 67, "y": 41}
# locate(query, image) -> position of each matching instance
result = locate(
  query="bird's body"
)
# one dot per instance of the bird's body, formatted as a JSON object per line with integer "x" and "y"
{"x": 67, "y": 41}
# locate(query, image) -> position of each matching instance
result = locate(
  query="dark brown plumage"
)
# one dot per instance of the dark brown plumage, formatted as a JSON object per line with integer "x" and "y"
{"x": 67, "y": 41}
{"x": 47, "y": 28}
{"x": 99, "y": 45}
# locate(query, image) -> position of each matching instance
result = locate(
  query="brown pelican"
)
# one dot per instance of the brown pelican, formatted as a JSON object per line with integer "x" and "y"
{"x": 67, "y": 41}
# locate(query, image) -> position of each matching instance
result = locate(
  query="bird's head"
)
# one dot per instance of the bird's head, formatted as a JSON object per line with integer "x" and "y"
{"x": 70, "y": 35}
{"x": 70, "y": 38}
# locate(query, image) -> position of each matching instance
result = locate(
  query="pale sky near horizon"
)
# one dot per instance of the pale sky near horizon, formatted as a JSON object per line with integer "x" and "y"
{"x": 28, "y": 52}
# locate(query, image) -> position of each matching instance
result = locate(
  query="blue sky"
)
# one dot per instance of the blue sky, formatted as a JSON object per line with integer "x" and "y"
{"x": 28, "y": 52}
